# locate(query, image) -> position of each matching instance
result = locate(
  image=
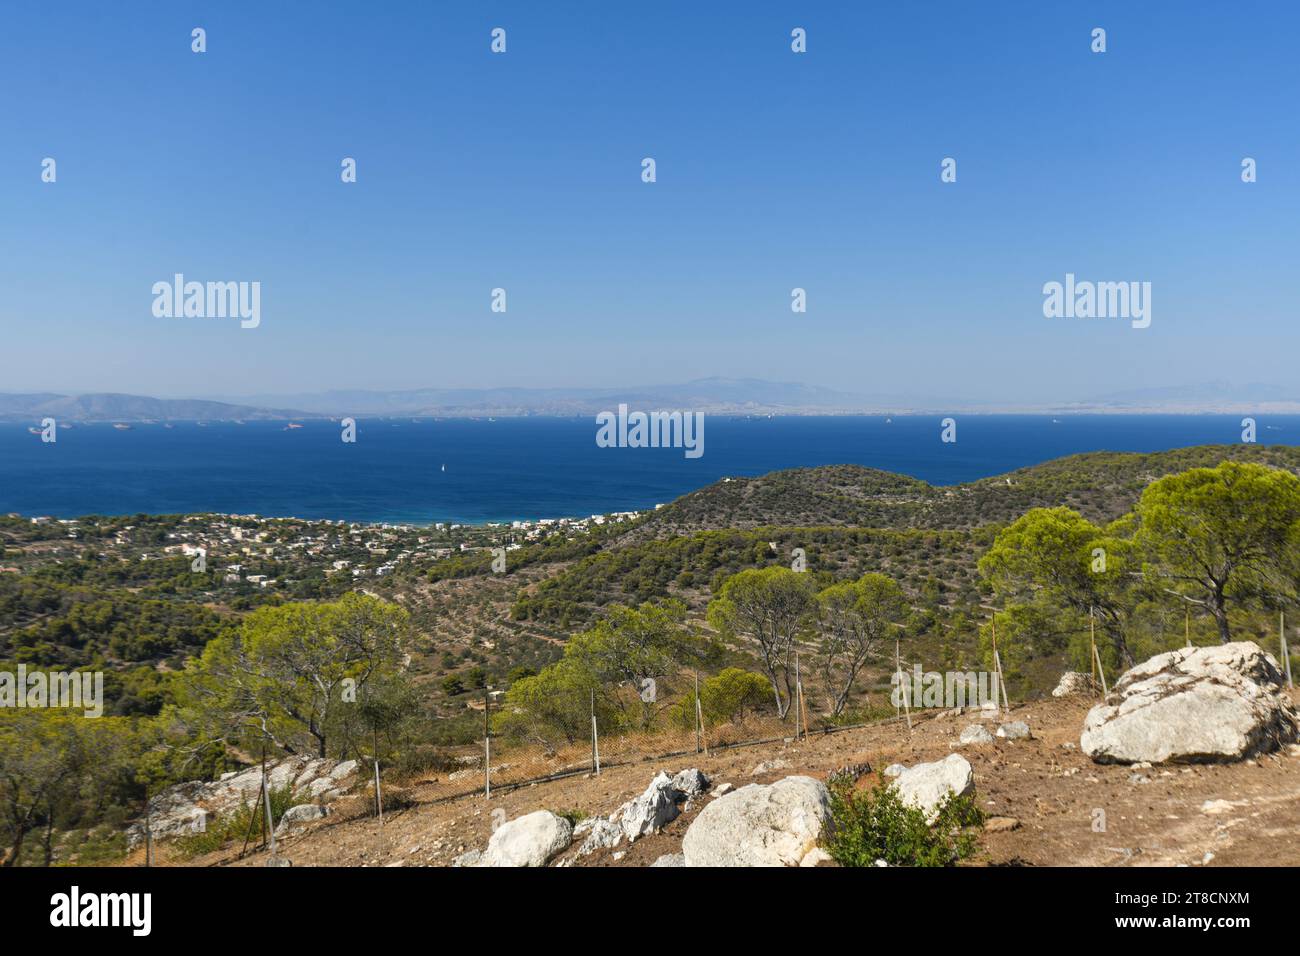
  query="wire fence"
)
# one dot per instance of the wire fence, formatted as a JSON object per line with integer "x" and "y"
{"x": 581, "y": 733}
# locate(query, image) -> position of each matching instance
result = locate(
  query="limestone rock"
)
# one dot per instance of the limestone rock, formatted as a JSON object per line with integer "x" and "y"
{"x": 927, "y": 785}
{"x": 652, "y": 810}
{"x": 300, "y": 815}
{"x": 760, "y": 825}
{"x": 1013, "y": 730}
{"x": 1074, "y": 682}
{"x": 976, "y": 734}
{"x": 1200, "y": 704}
{"x": 531, "y": 840}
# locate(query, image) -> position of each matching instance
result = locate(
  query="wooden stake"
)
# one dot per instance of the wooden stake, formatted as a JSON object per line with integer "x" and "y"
{"x": 997, "y": 662}
{"x": 1100, "y": 670}
{"x": 907, "y": 708}
{"x": 1286, "y": 651}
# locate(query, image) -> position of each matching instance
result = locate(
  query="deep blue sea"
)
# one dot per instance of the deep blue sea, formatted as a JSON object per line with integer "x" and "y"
{"x": 525, "y": 468}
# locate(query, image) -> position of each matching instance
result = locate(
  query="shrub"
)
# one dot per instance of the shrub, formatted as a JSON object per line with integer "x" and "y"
{"x": 878, "y": 825}
{"x": 724, "y": 698}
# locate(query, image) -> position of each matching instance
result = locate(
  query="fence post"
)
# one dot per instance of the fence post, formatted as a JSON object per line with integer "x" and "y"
{"x": 266, "y": 797}
{"x": 379, "y": 794}
{"x": 907, "y": 708}
{"x": 798, "y": 696}
{"x": 1100, "y": 670}
{"x": 697, "y": 711}
{"x": 1286, "y": 651}
{"x": 595, "y": 736}
{"x": 148, "y": 831}
{"x": 487, "y": 747}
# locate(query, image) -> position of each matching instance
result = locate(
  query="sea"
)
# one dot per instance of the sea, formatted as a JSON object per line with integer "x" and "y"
{"x": 477, "y": 471}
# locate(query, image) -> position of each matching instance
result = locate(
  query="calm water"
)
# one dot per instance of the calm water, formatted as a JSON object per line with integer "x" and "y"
{"x": 527, "y": 468}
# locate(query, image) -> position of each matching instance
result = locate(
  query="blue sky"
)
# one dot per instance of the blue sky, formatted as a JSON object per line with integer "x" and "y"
{"x": 522, "y": 171}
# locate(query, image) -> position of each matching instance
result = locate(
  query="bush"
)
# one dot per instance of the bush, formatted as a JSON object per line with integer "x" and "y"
{"x": 724, "y": 698}
{"x": 877, "y": 825}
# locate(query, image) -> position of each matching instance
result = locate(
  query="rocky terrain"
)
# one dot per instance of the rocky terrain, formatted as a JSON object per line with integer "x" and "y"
{"x": 1192, "y": 760}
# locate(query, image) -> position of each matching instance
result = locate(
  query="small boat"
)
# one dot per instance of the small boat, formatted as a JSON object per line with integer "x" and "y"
{"x": 36, "y": 431}
{"x": 291, "y": 426}
{"x": 122, "y": 427}
{"x": 444, "y": 467}
{"x": 168, "y": 425}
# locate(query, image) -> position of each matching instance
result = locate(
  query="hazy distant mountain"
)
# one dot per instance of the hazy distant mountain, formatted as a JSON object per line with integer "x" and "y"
{"x": 108, "y": 406}
{"x": 717, "y": 395}
{"x": 725, "y": 396}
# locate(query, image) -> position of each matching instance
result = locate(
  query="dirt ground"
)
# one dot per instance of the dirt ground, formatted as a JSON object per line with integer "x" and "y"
{"x": 1245, "y": 814}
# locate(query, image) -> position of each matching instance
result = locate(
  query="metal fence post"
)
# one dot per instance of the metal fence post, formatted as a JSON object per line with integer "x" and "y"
{"x": 697, "y": 712}
{"x": 595, "y": 736}
{"x": 487, "y": 748}
{"x": 266, "y": 796}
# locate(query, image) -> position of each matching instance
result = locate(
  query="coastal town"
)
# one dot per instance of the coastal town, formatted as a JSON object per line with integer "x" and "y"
{"x": 259, "y": 552}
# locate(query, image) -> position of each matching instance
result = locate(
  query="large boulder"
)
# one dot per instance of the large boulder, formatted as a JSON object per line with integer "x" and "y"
{"x": 531, "y": 840}
{"x": 927, "y": 785}
{"x": 1196, "y": 704}
{"x": 760, "y": 825}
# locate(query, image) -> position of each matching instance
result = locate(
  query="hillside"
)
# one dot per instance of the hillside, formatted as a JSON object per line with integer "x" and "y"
{"x": 1100, "y": 485}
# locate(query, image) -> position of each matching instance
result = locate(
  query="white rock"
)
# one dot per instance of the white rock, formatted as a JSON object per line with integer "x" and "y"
{"x": 603, "y": 835}
{"x": 670, "y": 859}
{"x": 531, "y": 840}
{"x": 470, "y": 858}
{"x": 691, "y": 782}
{"x": 176, "y": 810}
{"x": 299, "y": 815}
{"x": 1217, "y": 703}
{"x": 927, "y": 785}
{"x": 976, "y": 734}
{"x": 1074, "y": 682}
{"x": 1013, "y": 730}
{"x": 651, "y": 811}
{"x": 769, "y": 766}
{"x": 760, "y": 825}
{"x": 723, "y": 789}
{"x": 893, "y": 770}
{"x": 815, "y": 857}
